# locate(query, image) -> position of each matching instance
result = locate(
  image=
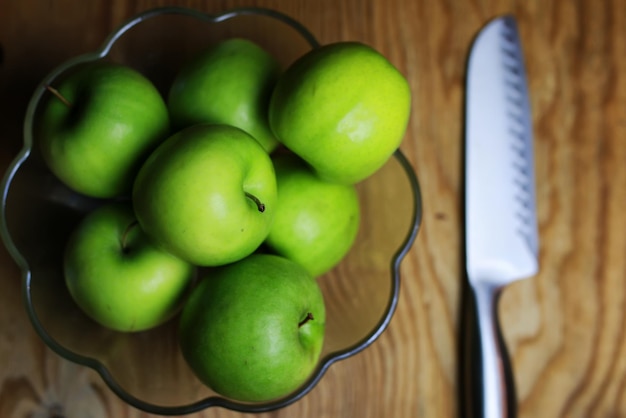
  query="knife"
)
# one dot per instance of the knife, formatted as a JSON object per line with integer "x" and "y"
{"x": 501, "y": 238}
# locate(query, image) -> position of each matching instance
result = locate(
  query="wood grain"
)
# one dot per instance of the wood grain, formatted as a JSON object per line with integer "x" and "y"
{"x": 566, "y": 327}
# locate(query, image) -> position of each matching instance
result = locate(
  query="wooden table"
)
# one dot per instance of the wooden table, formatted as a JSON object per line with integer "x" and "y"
{"x": 566, "y": 327}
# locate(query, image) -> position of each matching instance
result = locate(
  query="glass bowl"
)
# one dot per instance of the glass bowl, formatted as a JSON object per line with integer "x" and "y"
{"x": 146, "y": 369}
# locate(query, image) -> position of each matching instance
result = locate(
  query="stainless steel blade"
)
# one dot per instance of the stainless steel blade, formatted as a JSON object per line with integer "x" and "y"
{"x": 500, "y": 185}
{"x": 501, "y": 225}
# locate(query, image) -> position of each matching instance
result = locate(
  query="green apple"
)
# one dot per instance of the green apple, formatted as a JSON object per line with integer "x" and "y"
{"x": 98, "y": 125}
{"x": 343, "y": 108}
{"x": 229, "y": 83}
{"x": 118, "y": 276}
{"x": 207, "y": 194}
{"x": 316, "y": 221}
{"x": 253, "y": 330}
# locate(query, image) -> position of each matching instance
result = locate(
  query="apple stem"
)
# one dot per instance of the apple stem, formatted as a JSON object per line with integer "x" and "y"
{"x": 58, "y": 95}
{"x": 259, "y": 205}
{"x": 307, "y": 318}
{"x": 125, "y": 235}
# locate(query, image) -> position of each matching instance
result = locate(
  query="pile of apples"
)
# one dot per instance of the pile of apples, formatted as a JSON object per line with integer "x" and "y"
{"x": 223, "y": 201}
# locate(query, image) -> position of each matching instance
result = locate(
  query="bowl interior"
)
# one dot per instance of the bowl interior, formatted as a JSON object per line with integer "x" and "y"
{"x": 146, "y": 368}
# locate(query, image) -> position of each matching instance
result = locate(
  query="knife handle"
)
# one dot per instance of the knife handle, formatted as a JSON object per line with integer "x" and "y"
{"x": 488, "y": 389}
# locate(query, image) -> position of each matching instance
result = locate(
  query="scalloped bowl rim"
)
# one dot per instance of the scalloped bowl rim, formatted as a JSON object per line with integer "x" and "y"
{"x": 95, "y": 364}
